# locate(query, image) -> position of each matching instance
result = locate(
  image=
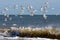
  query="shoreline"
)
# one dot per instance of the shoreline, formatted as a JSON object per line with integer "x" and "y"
{"x": 35, "y": 32}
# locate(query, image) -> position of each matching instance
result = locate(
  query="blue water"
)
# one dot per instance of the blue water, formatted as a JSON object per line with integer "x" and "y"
{"x": 32, "y": 21}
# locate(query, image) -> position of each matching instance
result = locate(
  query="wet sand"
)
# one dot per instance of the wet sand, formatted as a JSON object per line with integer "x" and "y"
{"x": 24, "y": 38}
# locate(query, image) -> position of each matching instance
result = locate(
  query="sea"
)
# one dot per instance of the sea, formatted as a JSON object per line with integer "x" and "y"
{"x": 29, "y": 21}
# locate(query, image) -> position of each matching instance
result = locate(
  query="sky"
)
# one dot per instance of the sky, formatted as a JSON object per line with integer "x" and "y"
{"x": 53, "y": 6}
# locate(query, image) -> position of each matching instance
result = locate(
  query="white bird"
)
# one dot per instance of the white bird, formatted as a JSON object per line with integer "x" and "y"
{"x": 49, "y": 27}
{"x": 14, "y": 24}
{"x": 29, "y": 28}
{"x": 33, "y": 12}
{"x": 29, "y": 7}
{"x": 10, "y": 18}
{"x": 22, "y": 9}
{"x": 22, "y": 28}
{"x": 41, "y": 8}
{"x": 44, "y": 16}
{"x": 21, "y": 16}
{"x": 45, "y": 10}
{"x": 5, "y": 14}
{"x": 5, "y": 9}
{"x": 52, "y": 8}
{"x": 4, "y": 24}
{"x": 15, "y": 15}
{"x": 15, "y": 7}
{"x": 6, "y": 19}
{"x": 14, "y": 28}
{"x": 2, "y": 12}
{"x": 57, "y": 14}
{"x": 46, "y": 4}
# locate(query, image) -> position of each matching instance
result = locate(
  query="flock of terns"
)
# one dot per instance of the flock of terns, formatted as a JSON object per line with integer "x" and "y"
{"x": 29, "y": 8}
